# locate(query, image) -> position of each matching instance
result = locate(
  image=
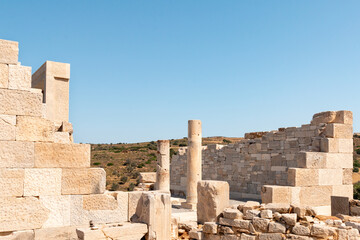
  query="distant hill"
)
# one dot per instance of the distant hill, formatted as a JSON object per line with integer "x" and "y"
{"x": 124, "y": 161}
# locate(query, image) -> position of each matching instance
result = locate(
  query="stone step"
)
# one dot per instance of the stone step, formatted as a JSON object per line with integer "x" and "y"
{"x": 324, "y": 160}
{"x": 122, "y": 231}
{"x": 300, "y": 177}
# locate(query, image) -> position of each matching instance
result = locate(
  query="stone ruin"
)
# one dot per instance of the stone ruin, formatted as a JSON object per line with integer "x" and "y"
{"x": 48, "y": 190}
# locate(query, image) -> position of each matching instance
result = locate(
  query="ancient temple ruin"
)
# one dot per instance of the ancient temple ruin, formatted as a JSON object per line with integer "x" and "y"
{"x": 49, "y": 191}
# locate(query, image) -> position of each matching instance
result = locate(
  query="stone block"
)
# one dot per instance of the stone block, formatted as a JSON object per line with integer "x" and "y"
{"x": 210, "y": 227}
{"x": 34, "y": 129}
{"x": 66, "y": 127}
{"x": 277, "y": 207}
{"x": 148, "y": 177}
{"x": 19, "y": 77}
{"x": 275, "y": 227}
{"x": 52, "y": 155}
{"x": 44, "y": 181}
{"x": 83, "y": 181}
{"x": 339, "y": 205}
{"x": 15, "y": 154}
{"x": 127, "y": 231}
{"x": 279, "y": 194}
{"x": 261, "y": 224}
{"x": 232, "y": 213}
{"x": 4, "y": 75}
{"x": 57, "y": 233}
{"x": 315, "y": 195}
{"x": 266, "y": 214}
{"x": 342, "y": 190}
{"x": 344, "y": 117}
{"x": 21, "y": 213}
{"x": 301, "y": 230}
{"x": 247, "y": 237}
{"x": 18, "y": 235}
{"x": 337, "y": 130}
{"x": 270, "y": 236}
{"x": 347, "y": 176}
{"x": 155, "y": 211}
{"x": 7, "y": 127}
{"x": 17, "y": 102}
{"x": 336, "y": 145}
{"x": 213, "y": 198}
{"x": 299, "y": 177}
{"x": 239, "y": 223}
{"x": 250, "y": 205}
{"x": 134, "y": 198}
{"x": 82, "y": 212}
{"x": 330, "y": 177}
{"x": 59, "y": 207}
{"x": 316, "y": 160}
{"x": 99, "y": 202}
{"x": 289, "y": 218}
{"x": 9, "y": 52}
{"x": 62, "y": 137}
{"x": 11, "y": 182}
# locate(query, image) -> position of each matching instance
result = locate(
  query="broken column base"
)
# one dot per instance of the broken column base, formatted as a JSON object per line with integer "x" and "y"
{"x": 186, "y": 205}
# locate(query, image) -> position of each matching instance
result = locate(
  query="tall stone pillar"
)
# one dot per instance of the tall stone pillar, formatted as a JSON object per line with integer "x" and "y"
{"x": 163, "y": 166}
{"x": 194, "y": 152}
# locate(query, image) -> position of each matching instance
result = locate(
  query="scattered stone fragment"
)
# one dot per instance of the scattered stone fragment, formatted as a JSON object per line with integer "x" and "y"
{"x": 266, "y": 214}
{"x": 290, "y": 218}
{"x": 275, "y": 227}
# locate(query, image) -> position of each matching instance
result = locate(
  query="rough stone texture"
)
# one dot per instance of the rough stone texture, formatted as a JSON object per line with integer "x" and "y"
{"x": 21, "y": 213}
{"x": 83, "y": 181}
{"x": 34, "y": 129}
{"x": 59, "y": 207}
{"x": 299, "y": 177}
{"x": 44, "y": 181}
{"x": 99, "y": 202}
{"x": 18, "y": 235}
{"x": 155, "y": 211}
{"x": 80, "y": 216}
{"x": 210, "y": 227}
{"x": 57, "y": 233}
{"x": 134, "y": 198}
{"x": 7, "y": 127}
{"x": 53, "y": 79}
{"x": 289, "y": 218}
{"x": 232, "y": 213}
{"x": 62, "y": 137}
{"x": 147, "y": 177}
{"x": 62, "y": 155}
{"x": 19, "y": 77}
{"x": 128, "y": 231}
{"x": 9, "y": 52}
{"x": 213, "y": 198}
{"x": 4, "y": 75}
{"x": 17, "y": 102}
{"x": 336, "y": 130}
{"x": 11, "y": 182}
{"x": 301, "y": 230}
{"x": 15, "y": 154}
{"x": 266, "y": 214}
{"x": 261, "y": 224}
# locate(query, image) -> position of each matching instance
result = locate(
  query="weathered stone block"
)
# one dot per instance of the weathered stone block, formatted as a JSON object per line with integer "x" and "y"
{"x": 275, "y": 227}
{"x": 17, "y": 102}
{"x": 347, "y": 176}
{"x": 279, "y": 194}
{"x": 148, "y": 177}
{"x": 42, "y": 181}
{"x": 57, "y": 233}
{"x": 270, "y": 236}
{"x": 34, "y": 129}
{"x": 99, "y": 202}
{"x": 18, "y": 235}
{"x": 11, "y": 182}
{"x": 239, "y": 223}
{"x": 9, "y": 52}
{"x": 21, "y": 213}
{"x": 213, "y": 198}
{"x": 303, "y": 177}
{"x": 315, "y": 195}
{"x": 7, "y": 127}
{"x": 336, "y": 145}
{"x": 82, "y": 212}
{"x": 343, "y": 190}
{"x": 337, "y": 130}
{"x": 330, "y": 177}
{"x": 261, "y": 224}
{"x": 4, "y": 75}
{"x": 19, "y": 77}
{"x": 134, "y": 198}
{"x": 318, "y": 160}
{"x": 232, "y": 213}
{"x": 16, "y": 154}
{"x": 344, "y": 117}
{"x": 62, "y": 137}
{"x": 59, "y": 207}
{"x": 155, "y": 211}
{"x": 339, "y": 205}
{"x": 62, "y": 155}
{"x": 210, "y": 227}
{"x": 128, "y": 231}
{"x": 83, "y": 181}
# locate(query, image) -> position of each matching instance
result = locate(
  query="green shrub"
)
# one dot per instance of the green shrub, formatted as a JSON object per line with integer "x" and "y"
{"x": 357, "y": 151}
{"x": 182, "y": 145}
{"x": 355, "y": 169}
{"x": 356, "y": 191}
{"x": 148, "y": 161}
{"x": 96, "y": 163}
{"x": 226, "y": 141}
{"x": 172, "y": 152}
{"x": 127, "y": 162}
{"x": 141, "y": 165}
{"x": 109, "y": 164}
{"x": 131, "y": 187}
{"x": 356, "y": 163}
{"x": 114, "y": 187}
{"x": 124, "y": 179}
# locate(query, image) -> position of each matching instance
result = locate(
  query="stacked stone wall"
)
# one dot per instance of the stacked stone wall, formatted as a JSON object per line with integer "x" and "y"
{"x": 264, "y": 158}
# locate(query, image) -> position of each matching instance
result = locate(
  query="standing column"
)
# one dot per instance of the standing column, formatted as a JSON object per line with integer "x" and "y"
{"x": 193, "y": 163}
{"x": 163, "y": 166}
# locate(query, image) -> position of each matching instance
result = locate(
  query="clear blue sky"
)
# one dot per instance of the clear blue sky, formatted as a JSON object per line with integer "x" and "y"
{"x": 141, "y": 69}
